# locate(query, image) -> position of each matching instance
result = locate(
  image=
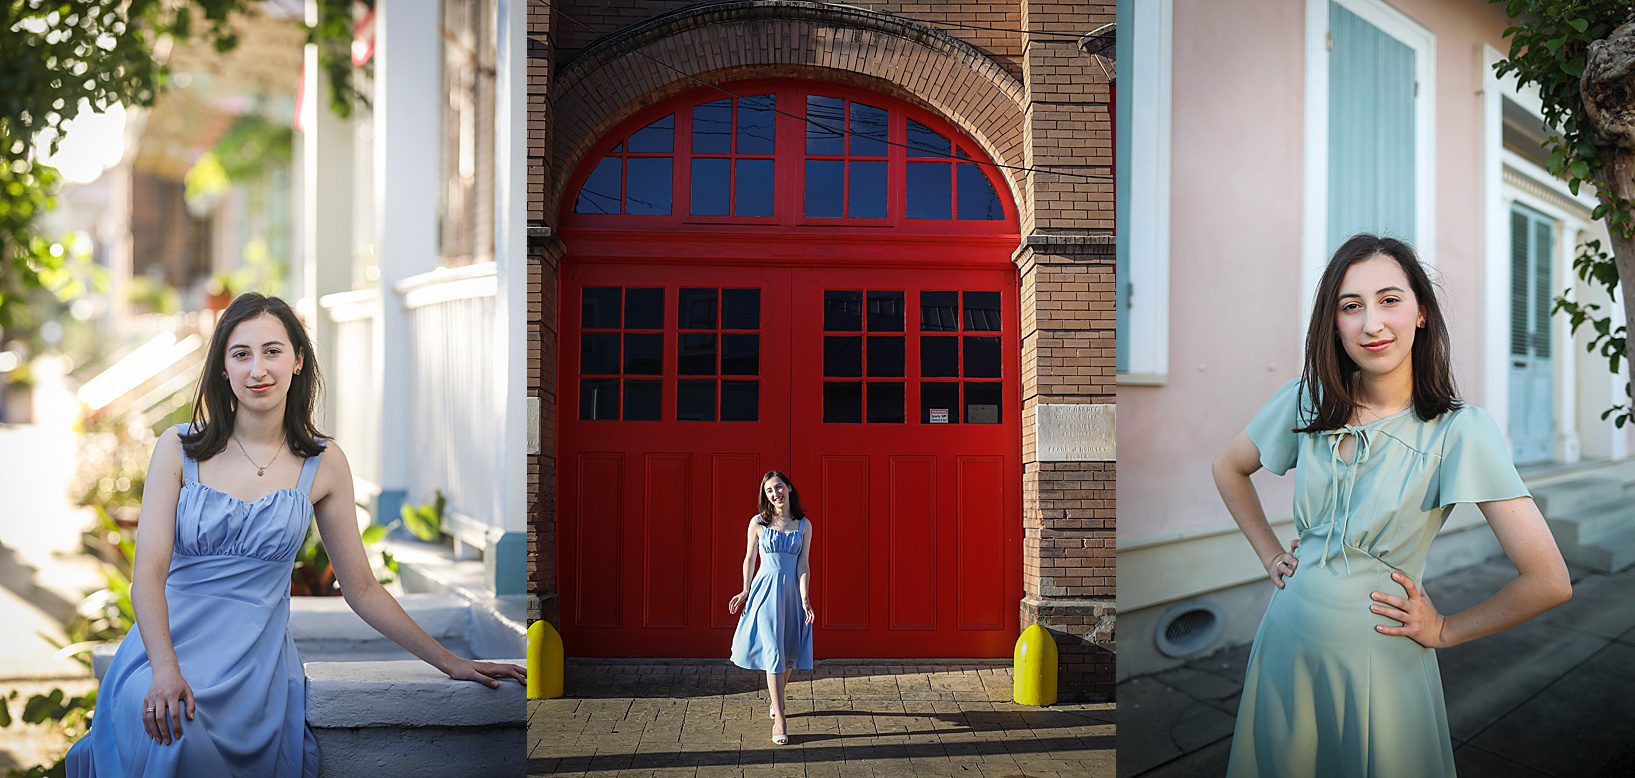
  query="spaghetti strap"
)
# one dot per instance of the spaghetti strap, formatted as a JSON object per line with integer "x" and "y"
{"x": 309, "y": 470}
{"x": 190, "y": 466}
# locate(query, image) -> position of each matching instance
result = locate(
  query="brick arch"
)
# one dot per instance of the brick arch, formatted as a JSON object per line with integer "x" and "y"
{"x": 608, "y": 81}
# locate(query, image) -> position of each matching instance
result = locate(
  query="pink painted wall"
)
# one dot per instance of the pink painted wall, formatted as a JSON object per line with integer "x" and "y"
{"x": 1236, "y": 218}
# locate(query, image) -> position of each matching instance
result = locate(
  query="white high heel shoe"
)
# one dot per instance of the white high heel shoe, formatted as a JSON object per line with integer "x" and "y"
{"x": 781, "y": 739}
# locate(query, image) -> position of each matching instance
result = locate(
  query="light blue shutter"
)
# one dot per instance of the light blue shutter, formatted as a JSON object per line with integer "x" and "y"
{"x": 1371, "y": 92}
{"x": 1532, "y": 396}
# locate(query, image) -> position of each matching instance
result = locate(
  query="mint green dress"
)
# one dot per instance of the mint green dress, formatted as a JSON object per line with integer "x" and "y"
{"x": 1325, "y": 694}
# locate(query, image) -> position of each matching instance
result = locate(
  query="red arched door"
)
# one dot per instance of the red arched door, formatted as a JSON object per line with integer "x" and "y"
{"x": 801, "y": 277}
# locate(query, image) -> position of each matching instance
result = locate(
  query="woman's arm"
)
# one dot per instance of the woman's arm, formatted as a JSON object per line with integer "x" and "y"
{"x": 803, "y": 572}
{"x": 155, "y": 541}
{"x": 1232, "y": 468}
{"x": 338, "y": 525}
{"x": 749, "y": 566}
{"x": 1542, "y": 584}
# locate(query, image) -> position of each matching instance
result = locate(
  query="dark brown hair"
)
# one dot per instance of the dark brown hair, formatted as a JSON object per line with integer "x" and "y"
{"x": 214, "y": 405}
{"x": 767, "y": 511}
{"x": 1325, "y": 380}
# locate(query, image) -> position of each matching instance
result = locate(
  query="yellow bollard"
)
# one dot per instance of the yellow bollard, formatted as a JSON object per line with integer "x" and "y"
{"x": 1034, "y": 672}
{"x": 545, "y": 659}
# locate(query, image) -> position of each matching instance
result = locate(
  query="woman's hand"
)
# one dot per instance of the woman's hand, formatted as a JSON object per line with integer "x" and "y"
{"x": 486, "y": 673}
{"x": 1420, "y": 619}
{"x": 162, "y": 706}
{"x": 810, "y": 616}
{"x": 737, "y": 600}
{"x": 1283, "y": 564}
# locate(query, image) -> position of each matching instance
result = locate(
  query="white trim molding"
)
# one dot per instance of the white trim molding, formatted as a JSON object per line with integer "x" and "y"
{"x": 446, "y": 284}
{"x": 1149, "y": 77}
{"x": 1314, "y": 255}
{"x": 356, "y": 305}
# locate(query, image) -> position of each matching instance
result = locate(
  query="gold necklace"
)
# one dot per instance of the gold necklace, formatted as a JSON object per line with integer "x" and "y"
{"x": 259, "y": 469}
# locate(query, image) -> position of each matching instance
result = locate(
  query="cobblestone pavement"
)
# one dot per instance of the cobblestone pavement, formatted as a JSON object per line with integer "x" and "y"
{"x": 652, "y": 717}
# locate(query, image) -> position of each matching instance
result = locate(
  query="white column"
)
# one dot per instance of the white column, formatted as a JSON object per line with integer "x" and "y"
{"x": 507, "y": 560}
{"x": 325, "y": 239}
{"x": 406, "y": 121}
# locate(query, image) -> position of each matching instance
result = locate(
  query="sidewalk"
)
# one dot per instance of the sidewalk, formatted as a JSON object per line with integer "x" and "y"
{"x": 1554, "y": 696}
{"x": 43, "y": 575}
{"x": 707, "y": 717}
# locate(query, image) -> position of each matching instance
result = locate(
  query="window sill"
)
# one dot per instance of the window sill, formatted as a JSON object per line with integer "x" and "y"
{"x": 1143, "y": 379}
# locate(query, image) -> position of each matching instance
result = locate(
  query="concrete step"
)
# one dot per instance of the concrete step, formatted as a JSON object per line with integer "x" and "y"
{"x": 1592, "y": 523}
{"x": 326, "y": 630}
{"x": 1573, "y": 497}
{"x": 1611, "y": 553}
{"x": 394, "y": 718}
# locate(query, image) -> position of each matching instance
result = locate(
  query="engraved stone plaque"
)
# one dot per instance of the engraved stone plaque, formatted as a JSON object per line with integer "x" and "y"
{"x": 533, "y": 425}
{"x": 1074, "y": 432}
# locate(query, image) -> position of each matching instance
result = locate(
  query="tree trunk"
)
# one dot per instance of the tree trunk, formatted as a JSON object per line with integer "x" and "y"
{"x": 1608, "y": 92}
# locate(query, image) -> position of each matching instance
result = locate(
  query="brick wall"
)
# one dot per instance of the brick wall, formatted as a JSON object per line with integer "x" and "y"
{"x": 1028, "y": 100}
{"x": 543, "y": 252}
{"x": 1000, "y": 45}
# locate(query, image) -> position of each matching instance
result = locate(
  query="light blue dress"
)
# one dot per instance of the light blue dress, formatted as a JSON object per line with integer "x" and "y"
{"x": 772, "y": 631}
{"x": 1324, "y": 693}
{"x": 228, "y": 594}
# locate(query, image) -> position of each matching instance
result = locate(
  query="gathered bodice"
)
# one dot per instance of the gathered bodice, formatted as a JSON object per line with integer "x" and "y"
{"x": 210, "y": 522}
{"x": 227, "y": 544}
{"x": 780, "y": 549}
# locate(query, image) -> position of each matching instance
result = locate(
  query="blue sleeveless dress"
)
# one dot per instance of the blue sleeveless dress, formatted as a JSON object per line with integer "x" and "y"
{"x": 228, "y": 593}
{"x": 772, "y": 631}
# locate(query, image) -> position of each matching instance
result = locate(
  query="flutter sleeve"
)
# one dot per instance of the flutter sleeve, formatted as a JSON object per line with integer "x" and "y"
{"x": 1476, "y": 464}
{"x": 1272, "y": 429}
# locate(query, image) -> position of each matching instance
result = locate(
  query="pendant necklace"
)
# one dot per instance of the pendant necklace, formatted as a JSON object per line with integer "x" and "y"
{"x": 260, "y": 470}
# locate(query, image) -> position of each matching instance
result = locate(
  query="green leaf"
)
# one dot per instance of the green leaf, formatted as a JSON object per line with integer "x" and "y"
{"x": 1579, "y": 169}
{"x": 1578, "y": 24}
{"x": 1573, "y": 67}
{"x": 375, "y": 533}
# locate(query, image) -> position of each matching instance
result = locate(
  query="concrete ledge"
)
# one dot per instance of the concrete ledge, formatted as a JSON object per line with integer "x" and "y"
{"x": 431, "y": 568}
{"x": 406, "y": 693}
{"x": 499, "y": 626}
{"x": 393, "y": 753}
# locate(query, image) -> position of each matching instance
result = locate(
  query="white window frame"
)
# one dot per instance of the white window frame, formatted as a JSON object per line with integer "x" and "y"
{"x": 1315, "y": 219}
{"x": 1148, "y": 79}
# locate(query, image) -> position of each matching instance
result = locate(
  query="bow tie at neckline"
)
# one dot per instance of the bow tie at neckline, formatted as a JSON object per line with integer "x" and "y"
{"x": 1346, "y": 483}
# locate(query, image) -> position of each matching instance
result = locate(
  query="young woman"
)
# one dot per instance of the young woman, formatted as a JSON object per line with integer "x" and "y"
{"x": 209, "y": 682}
{"x": 1342, "y": 677}
{"x": 775, "y": 630}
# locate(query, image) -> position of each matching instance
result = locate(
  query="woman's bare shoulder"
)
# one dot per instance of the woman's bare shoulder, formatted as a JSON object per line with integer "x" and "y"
{"x": 333, "y": 461}
{"x": 168, "y": 447}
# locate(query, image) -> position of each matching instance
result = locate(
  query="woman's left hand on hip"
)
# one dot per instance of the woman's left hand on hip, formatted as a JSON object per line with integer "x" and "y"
{"x": 1421, "y": 622}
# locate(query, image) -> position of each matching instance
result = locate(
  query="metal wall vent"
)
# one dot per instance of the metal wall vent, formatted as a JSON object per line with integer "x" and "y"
{"x": 1189, "y": 628}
